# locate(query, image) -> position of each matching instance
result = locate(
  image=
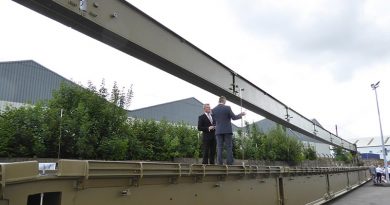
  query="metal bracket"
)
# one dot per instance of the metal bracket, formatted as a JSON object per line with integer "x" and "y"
{"x": 288, "y": 116}
{"x": 135, "y": 181}
{"x": 198, "y": 179}
{"x": 221, "y": 177}
{"x": 172, "y": 180}
{"x": 79, "y": 184}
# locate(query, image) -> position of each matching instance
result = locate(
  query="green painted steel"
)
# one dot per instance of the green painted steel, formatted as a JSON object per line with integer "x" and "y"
{"x": 77, "y": 182}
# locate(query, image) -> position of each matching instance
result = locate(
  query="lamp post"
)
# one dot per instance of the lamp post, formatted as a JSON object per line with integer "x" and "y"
{"x": 240, "y": 91}
{"x": 59, "y": 138}
{"x": 374, "y": 87}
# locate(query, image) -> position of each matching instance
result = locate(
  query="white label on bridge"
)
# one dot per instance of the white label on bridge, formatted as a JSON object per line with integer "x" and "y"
{"x": 83, "y": 5}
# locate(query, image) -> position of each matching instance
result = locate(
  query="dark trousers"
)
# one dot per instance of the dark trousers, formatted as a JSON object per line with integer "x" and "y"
{"x": 379, "y": 177}
{"x": 209, "y": 144}
{"x": 227, "y": 141}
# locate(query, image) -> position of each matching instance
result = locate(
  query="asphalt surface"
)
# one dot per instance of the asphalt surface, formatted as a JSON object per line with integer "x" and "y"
{"x": 368, "y": 194}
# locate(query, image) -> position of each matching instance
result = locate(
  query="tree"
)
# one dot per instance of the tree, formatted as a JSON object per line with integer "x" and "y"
{"x": 103, "y": 90}
{"x": 23, "y": 131}
{"x": 342, "y": 155}
{"x": 91, "y": 86}
{"x": 147, "y": 132}
{"x": 114, "y": 148}
{"x": 129, "y": 96}
{"x": 115, "y": 95}
{"x": 85, "y": 125}
{"x": 310, "y": 153}
{"x": 122, "y": 98}
{"x": 188, "y": 140}
{"x": 164, "y": 141}
{"x": 247, "y": 144}
{"x": 274, "y": 146}
{"x": 89, "y": 124}
{"x": 278, "y": 146}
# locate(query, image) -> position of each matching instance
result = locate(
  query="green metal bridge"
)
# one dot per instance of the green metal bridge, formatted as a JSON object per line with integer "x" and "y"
{"x": 126, "y": 28}
{"x": 72, "y": 182}
{"x": 78, "y": 182}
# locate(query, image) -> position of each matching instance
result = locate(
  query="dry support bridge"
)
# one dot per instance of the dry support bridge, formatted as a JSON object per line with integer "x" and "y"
{"x": 121, "y": 25}
{"x": 80, "y": 182}
{"x": 126, "y": 28}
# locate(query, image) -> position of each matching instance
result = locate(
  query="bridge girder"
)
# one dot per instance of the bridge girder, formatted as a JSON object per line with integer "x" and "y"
{"x": 126, "y": 28}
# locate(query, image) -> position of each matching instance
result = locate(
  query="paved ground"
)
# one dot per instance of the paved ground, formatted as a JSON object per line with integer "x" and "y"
{"x": 367, "y": 194}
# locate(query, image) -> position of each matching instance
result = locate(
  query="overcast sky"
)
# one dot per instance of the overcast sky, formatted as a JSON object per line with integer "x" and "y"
{"x": 318, "y": 57}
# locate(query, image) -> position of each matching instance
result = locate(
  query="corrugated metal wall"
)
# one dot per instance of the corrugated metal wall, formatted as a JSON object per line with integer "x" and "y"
{"x": 186, "y": 110}
{"x": 27, "y": 81}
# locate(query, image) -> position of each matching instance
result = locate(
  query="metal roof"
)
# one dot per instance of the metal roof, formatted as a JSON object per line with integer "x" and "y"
{"x": 371, "y": 141}
{"x": 185, "y": 110}
{"x": 27, "y": 81}
{"x": 267, "y": 125}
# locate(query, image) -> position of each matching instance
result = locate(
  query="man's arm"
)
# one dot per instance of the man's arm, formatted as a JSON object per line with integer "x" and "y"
{"x": 233, "y": 116}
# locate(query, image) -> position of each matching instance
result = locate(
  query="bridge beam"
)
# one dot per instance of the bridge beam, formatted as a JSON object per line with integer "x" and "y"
{"x": 123, "y": 26}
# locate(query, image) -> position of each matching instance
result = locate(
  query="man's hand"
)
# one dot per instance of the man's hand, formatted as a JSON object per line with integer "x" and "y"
{"x": 211, "y": 128}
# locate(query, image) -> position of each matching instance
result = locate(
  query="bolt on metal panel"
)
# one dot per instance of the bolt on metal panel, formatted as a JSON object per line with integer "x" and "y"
{"x": 338, "y": 182}
{"x": 18, "y": 171}
{"x": 304, "y": 189}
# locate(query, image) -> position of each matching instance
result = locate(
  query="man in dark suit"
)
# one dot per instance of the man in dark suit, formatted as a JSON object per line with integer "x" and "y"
{"x": 223, "y": 115}
{"x": 206, "y": 124}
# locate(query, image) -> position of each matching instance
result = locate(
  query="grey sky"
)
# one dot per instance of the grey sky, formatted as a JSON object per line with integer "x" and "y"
{"x": 335, "y": 35}
{"x": 318, "y": 57}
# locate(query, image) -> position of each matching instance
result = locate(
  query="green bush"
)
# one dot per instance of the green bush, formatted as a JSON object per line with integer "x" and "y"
{"x": 164, "y": 141}
{"x": 274, "y": 146}
{"x": 114, "y": 148}
{"x": 343, "y": 155}
{"x": 310, "y": 153}
{"x": 23, "y": 131}
{"x": 92, "y": 127}
{"x": 247, "y": 143}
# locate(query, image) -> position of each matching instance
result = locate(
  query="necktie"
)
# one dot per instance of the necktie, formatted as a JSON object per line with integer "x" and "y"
{"x": 211, "y": 119}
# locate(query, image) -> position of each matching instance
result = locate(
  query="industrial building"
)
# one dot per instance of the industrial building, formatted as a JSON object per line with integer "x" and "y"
{"x": 371, "y": 146}
{"x": 27, "y": 82}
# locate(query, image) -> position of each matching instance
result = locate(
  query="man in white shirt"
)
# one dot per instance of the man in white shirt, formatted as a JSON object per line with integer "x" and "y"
{"x": 206, "y": 124}
{"x": 379, "y": 171}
